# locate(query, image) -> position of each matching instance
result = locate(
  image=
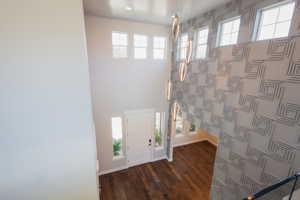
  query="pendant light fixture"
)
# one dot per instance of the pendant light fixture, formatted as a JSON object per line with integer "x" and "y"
{"x": 182, "y": 70}
{"x": 184, "y": 64}
{"x": 175, "y": 27}
{"x": 175, "y": 110}
{"x": 169, "y": 90}
{"x": 189, "y": 51}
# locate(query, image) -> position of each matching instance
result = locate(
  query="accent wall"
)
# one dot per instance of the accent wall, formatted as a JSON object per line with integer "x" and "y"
{"x": 248, "y": 96}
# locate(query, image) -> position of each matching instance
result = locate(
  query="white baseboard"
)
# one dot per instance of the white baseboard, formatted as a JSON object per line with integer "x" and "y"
{"x": 190, "y": 142}
{"x": 112, "y": 170}
{"x": 159, "y": 158}
{"x": 126, "y": 167}
{"x": 212, "y": 142}
{"x": 155, "y": 159}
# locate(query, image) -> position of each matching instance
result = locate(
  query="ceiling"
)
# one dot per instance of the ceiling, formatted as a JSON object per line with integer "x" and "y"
{"x": 150, "y": 11}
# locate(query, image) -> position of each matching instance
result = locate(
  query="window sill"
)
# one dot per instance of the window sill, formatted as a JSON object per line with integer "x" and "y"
{"x": 227, "y": 45}
{"x": 119, "y": 157}
{"x": 179, "y": 135}
{"x": 120, "y": 58}
{"x": 159, "y": 148}
{"x": 200, "y": 59}
{"x": 274, "y": 38}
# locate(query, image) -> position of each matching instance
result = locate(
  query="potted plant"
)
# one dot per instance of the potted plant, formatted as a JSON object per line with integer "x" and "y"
{"x": 117, "y": 147}
{"x": 157, "y": 137}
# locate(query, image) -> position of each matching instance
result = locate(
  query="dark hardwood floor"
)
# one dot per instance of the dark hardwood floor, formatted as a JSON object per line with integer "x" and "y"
{"x": 187, "y": 177}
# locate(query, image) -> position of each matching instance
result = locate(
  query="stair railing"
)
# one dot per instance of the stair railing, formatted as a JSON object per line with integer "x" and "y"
{"x": 273, "y": 187}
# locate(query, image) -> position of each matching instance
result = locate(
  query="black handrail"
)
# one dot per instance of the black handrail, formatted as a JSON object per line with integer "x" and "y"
{"x": 275, "y": 186}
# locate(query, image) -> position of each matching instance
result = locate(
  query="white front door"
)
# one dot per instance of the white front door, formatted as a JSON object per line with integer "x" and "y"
{"x": 139, "y": 128}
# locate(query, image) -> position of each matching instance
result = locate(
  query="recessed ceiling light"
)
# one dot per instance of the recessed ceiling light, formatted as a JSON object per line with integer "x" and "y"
{"x": 128, "y": 8}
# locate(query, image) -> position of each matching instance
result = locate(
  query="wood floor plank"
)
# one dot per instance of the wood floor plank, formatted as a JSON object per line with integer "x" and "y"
{"x": 188, "y": 177}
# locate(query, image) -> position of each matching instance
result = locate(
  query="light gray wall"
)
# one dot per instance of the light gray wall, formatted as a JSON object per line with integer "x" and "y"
{"x": 248, "y": 96}
{"x": 47, "y": 145}
{"x": 122, "y": 84}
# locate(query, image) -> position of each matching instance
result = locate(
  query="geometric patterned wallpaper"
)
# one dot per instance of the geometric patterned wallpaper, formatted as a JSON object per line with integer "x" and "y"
{"x": 247, "y": 95}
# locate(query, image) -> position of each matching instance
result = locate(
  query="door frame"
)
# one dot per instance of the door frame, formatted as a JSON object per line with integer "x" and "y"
{"x": 136, "y": 111}
{"x": 171, "y": 137}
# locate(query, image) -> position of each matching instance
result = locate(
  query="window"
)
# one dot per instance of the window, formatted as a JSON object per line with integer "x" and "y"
{"x": 140, "y": 46}
{"x": 202, "y": 36}
{"x": 275, "y": 21}
{"x": 192, "y": 128}
{"x": 117, "y": 134}
{"x": 229, "y": 31}
{"x": 119, "y": 43}
{"x": 179, "y": 124}
{"x": 159, "y": 44}
{"x": 159, "y": 122}
{"x": 183, "y": 46}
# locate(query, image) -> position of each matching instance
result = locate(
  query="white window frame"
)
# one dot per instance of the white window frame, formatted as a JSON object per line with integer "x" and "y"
{"x": 140, "y": 47}
{"x": 119, "y": 45}
{"x": 257, "y": 25}
{"x": 220, "y": 26}
{"x": 197, "y": 44}
{"x": 180, "y": 57}
{"x": 160, "y": 48}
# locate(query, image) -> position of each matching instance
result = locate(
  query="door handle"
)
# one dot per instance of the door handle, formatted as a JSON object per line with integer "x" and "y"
{"x": 150, "y": 142}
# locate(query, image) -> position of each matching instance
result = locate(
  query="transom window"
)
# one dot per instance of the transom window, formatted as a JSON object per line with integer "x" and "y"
{"x": 202, "y": 36}
{"x": 183, "y": 46}
{"x": 229, "y": 31}
{"x": 140, "y": 46}
{"x": 119, "y": 43}
{"x": 275, "y": 21}
{"x": 159, "y": 45}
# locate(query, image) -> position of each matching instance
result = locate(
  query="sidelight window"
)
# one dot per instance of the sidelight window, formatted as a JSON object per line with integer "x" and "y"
{"x": 117, "y": 135}
{"x": 159, "y": 124}
{"x": 179, "y": 124}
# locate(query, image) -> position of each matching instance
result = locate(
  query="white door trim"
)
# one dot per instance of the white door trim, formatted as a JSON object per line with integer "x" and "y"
{"x": 172, "y": 135}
